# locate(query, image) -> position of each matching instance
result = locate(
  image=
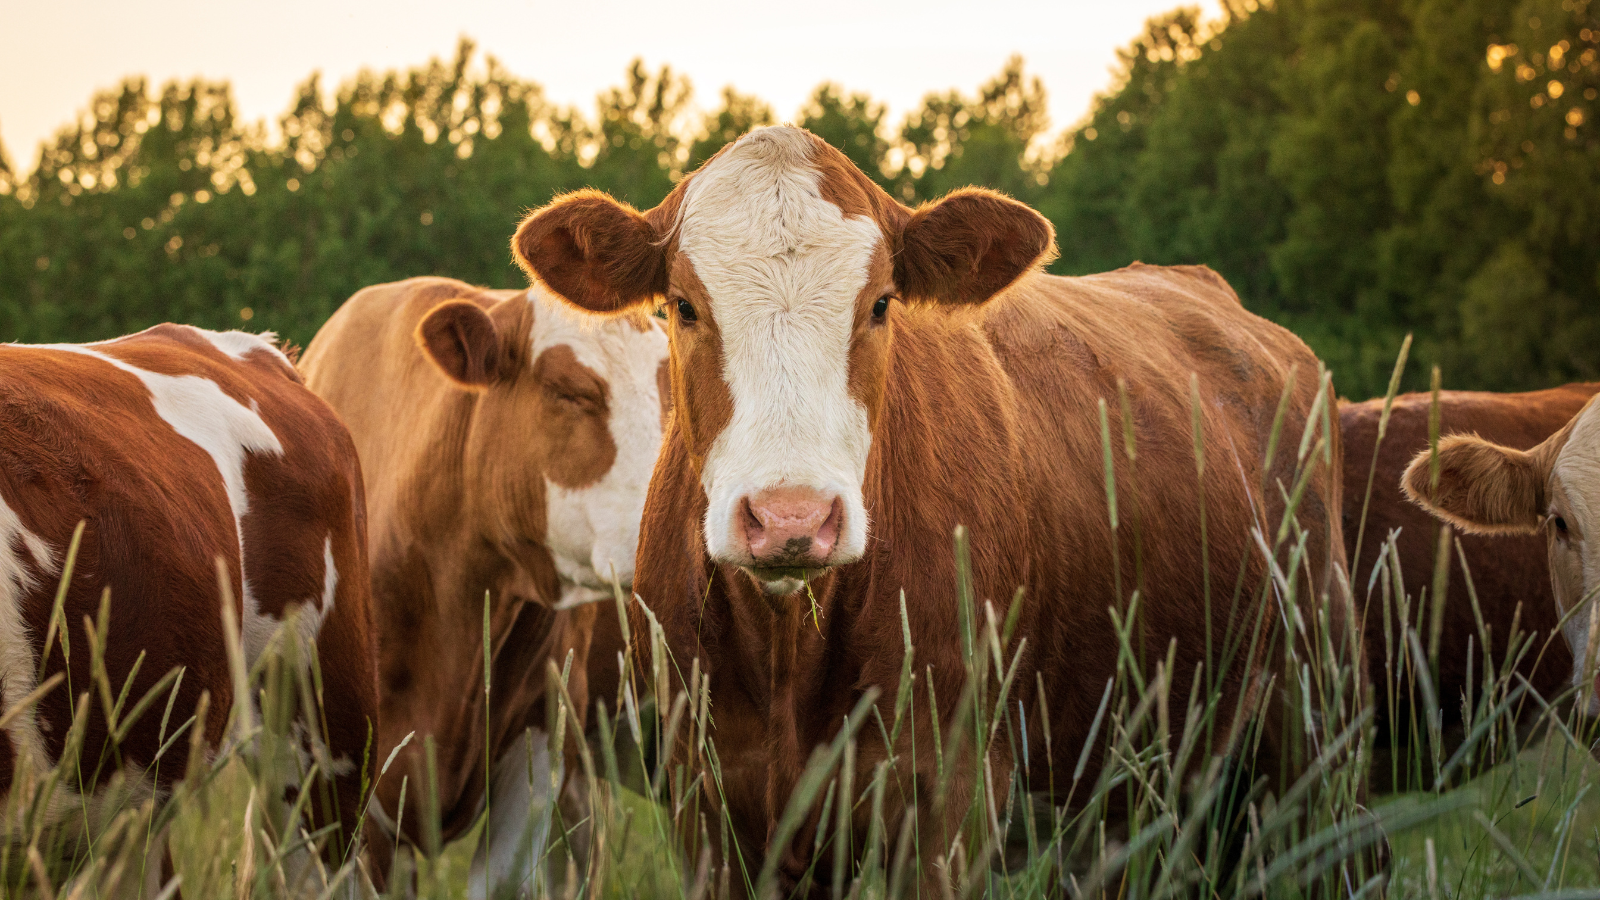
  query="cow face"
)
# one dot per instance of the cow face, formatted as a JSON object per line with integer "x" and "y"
{"x": 782, "y": 270}
{"x": 1553, "y": 488}
{"x": 566, "y": 429}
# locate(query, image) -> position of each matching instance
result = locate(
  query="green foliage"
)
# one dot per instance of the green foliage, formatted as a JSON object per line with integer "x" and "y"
{"x": 954, "y": 141}
{"x": 1357, "y": 170}
{"x": 855, "y": 124}
{"x": 739, "y": 114}
{"x": 164, "y": 208}
{"x": 637, "y": 145}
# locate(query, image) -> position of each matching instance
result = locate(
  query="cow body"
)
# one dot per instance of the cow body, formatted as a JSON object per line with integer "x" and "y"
{"x": 1509, "y": 574}
{"x": 506, "y": 446}
{"x": 176, "y": 448}
{"x": 1552, "y": 491}
{"x": 852, "y": 381}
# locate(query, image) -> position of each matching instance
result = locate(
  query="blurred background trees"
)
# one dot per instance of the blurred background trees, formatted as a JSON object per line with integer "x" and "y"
{"x": 1357, "y": 169}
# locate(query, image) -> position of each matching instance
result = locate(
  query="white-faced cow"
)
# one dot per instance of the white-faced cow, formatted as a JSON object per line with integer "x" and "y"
{"x": 507, "y": 442}
{"x": 1509, "y": 574}
{"x": 1554, "y": 488}
{"x": 176, "y": 448}
{"x": 852, "y": 379}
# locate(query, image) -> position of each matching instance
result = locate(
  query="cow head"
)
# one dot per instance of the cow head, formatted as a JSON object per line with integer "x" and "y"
{"x": 1553, "y": 488}
{"x": 566, "y": 428}
{"x": 782, "y": 269}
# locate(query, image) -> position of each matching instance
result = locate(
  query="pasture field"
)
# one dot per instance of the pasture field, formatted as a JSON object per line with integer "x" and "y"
{"x": 1509, "y": 808}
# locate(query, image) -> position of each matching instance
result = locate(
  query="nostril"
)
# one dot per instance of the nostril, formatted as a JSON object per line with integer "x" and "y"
{"x": 752, "y": 522}
{"x": 829, "y": 532}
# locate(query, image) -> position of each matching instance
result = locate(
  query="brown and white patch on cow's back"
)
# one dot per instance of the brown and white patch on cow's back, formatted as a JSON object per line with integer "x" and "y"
{"x": 200, "y": 411}
{"x": 595, "y": 484}
{"x": 782, "y": 266}
{"x": 240, "y": 344}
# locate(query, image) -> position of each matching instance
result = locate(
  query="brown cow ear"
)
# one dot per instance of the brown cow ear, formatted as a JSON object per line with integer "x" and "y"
{"x": 599, "y": 254}
{"x": 970, "y": 246}
{"x": 1483, "y": 488}
{"x": 462, "y": 341}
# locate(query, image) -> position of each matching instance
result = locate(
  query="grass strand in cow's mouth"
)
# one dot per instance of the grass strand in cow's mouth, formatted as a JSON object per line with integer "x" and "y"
{"x": 778, "y": 583}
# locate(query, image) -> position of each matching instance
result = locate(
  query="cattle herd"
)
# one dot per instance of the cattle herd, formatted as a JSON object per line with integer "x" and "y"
{"x": 448, "y": 486}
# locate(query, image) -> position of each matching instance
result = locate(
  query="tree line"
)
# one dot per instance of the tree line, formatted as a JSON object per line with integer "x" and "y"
{"x": 1357, "y": 169}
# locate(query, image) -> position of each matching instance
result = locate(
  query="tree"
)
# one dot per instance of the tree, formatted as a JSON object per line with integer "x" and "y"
{"x": 953, "y": 141}
{"x": 1098, "y": 158}
{"x": 1356, "y": 170}
{"x": 854, "y": 123}
{"x": 638, "y": 151}
{"x": 739, "y": 114}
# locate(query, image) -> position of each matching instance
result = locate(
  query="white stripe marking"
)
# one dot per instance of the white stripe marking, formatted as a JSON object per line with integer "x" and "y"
{"x": 199, "y": 411}
{"x": 783, "y": 267}
{"x": 239, "y": 344}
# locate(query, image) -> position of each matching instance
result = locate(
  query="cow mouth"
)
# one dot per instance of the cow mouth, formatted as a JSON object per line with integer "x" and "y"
{"x": 781, "y": 581}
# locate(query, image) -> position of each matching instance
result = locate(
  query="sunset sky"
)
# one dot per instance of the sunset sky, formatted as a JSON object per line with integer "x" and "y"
{"x": 54, "y": 55}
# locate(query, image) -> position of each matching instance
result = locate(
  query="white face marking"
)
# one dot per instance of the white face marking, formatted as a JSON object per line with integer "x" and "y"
{"x": 1576, "y": 475}
{"x": 783, "y": 268}
{"x": 594, "y": 531}
{"x": 239, "y": 344}
{"x": 198, "y": 410}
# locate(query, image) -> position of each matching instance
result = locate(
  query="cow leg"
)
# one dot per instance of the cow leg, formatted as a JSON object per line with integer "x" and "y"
{"x": 350, "y": 711}
{"x": 510, "y": 853}
{"x": 574, "y": 825}
{"x": 157, "y": 873}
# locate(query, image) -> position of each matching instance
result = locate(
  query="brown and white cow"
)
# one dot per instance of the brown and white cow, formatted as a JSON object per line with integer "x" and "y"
{"x": 1553, "y": 490}
{"x": 853, "y": 379}
{"x": 176, "y": 447}
{"x": 507, "y": 442}
{"x": 1509, "y": 574}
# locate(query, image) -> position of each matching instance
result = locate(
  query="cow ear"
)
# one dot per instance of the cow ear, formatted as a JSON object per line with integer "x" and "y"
{"x": 1483, "y": 488}
{"x": 970, "y": 246}
{"x": 597, "y": 253}
{"x": 461, "y": 339}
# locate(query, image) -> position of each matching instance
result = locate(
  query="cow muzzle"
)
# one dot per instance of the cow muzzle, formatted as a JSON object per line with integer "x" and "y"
{"x": 791, "y": 529}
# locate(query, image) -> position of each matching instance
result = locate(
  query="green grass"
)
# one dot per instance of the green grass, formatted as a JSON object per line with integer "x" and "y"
{"x": 1544, "y": 801}
{"x": 1512, "y": 815}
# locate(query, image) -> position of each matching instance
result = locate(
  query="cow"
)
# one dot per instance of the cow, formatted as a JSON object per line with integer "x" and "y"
{"x": 851, "y": 381}
{"x": 1509, "y": 574}
{"x": 507, "y": 443}
{"x": 1551, "y": 490}
{"x": 195, "y": 461}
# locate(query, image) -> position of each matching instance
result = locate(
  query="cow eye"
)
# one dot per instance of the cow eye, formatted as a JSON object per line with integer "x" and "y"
{"x": 572, "y": 396}
{"x": 686, "y": 312}
{"x": 1560, "y": 525}
{"x": 881, "y": 308}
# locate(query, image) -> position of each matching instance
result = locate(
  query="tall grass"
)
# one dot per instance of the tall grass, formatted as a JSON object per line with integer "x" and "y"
{"x": 1161, "y": 801}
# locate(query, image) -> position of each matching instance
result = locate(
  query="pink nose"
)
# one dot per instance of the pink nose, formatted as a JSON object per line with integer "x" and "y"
{"x": 791, "y": 526}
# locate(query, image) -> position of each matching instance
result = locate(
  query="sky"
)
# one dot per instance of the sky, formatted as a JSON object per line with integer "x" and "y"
{"x": 55, "y": 55}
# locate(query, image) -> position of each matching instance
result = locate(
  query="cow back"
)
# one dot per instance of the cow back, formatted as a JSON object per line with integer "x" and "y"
{"x": 1510, "y": 574}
